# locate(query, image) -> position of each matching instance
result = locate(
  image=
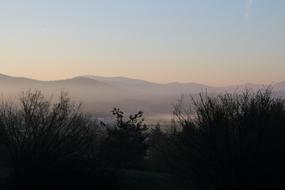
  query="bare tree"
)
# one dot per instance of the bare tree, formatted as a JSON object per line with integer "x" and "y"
{"x": 233, "y": 141}
{"x": 41, "y": 134}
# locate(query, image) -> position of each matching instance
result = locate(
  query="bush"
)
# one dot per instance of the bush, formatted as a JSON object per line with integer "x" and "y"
{"x": 232, "y": 141}
{"x": 162, "y": 145}
{"x": 126, "y": 143}
{"x": 45, "y": 139}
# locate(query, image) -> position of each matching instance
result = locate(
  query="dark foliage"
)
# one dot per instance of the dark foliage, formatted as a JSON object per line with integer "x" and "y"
{"x": 230, "y": 142}
{"x": 161, "y": 149}
{"x": 55, "y": 146}
{"x": 46, "y": 142}
{"x": 126, "y": 143}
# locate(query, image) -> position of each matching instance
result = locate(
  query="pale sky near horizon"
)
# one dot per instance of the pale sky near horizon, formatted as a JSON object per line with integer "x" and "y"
{"x": 216, "y": 42}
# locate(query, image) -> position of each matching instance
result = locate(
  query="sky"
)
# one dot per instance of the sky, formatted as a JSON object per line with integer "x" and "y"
{"x": 218, "y": 42}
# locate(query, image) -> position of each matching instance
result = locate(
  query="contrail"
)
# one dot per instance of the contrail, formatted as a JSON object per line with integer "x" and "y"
{"x": 248, "y": 9}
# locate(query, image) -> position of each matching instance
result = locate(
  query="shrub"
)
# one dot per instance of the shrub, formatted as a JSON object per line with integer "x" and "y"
{"x": 44, "y": 138}
{"x": 231, "y": 141}
{"x": 161, "y": 146}
{"x": 126, "y": 143}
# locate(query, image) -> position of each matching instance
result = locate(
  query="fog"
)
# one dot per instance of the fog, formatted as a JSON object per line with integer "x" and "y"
{"x": 99, "y": 95}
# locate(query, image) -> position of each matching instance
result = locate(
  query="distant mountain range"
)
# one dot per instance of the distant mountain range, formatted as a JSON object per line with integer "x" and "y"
{"x": 100, "y": 94}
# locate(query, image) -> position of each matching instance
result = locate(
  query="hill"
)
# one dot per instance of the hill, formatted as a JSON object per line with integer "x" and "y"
{"x": 100, "y": 94}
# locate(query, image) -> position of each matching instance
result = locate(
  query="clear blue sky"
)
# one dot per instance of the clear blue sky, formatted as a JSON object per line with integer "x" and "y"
{"x": 216, "y": 42}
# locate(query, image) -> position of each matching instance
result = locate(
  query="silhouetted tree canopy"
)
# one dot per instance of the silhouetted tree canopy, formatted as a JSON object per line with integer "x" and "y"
{"x": 126, "y": 143}
{"x": 230, "y": 141}
{"x": 43, "y": 137}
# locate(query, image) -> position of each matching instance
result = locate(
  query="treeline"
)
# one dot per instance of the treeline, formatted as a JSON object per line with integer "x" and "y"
{"x": 231, "y": 141}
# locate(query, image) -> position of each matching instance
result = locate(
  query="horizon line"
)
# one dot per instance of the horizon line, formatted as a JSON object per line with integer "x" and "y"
{"x": 125, "y": 77}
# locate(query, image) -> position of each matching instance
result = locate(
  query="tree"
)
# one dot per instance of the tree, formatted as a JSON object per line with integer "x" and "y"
{"x": 126, "y": 143}
{"x": 40, "y": 135}
{"x": 230, "y": 141}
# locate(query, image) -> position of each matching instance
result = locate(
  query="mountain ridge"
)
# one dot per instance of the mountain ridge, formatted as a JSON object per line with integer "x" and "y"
{"x": 101, "y": 79}
{"x": 103, "y": 93}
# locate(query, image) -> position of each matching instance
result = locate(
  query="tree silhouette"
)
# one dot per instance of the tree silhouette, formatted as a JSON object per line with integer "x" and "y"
{"x": 43, "y": 138}
{"x": 231, "y": 141}
{"x": 125, "y": 145}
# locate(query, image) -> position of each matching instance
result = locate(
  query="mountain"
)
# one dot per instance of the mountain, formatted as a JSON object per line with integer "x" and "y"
{"x": 26, "y": 83}
{"x": 123, "y": 81}
{"x": 5, "y": 79}
{"x": 78, "y": 81}
{"x": 150, "y": 87}
{"x": 100, "y": 94}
